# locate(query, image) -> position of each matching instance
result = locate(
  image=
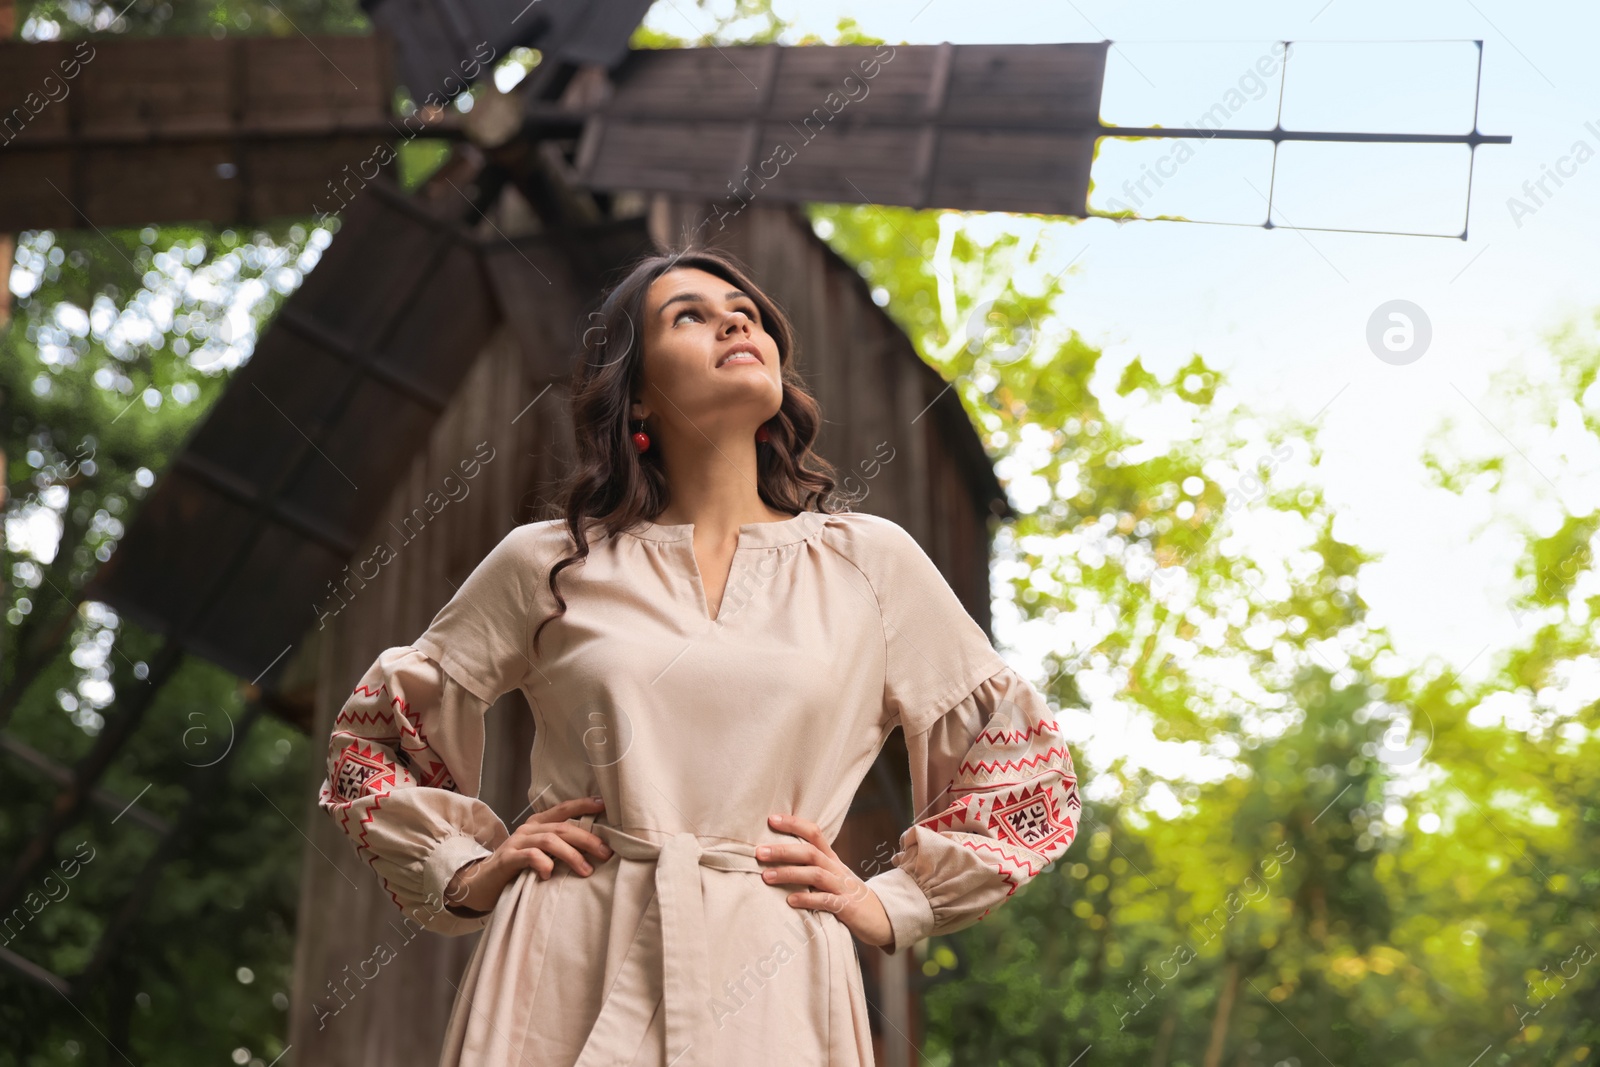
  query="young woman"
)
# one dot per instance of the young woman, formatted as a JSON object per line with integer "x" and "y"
{"x": 713, "y": 660}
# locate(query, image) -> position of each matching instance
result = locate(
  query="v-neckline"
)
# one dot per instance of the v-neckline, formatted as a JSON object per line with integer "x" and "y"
{"x": 750, "y": 535}
{"x": 700, "y": 579}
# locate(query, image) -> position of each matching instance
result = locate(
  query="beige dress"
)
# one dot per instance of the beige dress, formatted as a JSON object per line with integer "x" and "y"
{"x": 832, "y": 631}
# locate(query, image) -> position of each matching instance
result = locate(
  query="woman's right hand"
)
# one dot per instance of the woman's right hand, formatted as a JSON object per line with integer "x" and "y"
{"x": 542, "y": 839}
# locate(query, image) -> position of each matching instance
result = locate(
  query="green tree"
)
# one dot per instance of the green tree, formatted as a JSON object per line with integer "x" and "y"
{"x": 119, "y": 341}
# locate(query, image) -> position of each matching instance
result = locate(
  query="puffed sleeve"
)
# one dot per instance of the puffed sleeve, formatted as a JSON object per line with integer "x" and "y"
{"x": 992, "y": 779}
{"x": 405, "y": 755}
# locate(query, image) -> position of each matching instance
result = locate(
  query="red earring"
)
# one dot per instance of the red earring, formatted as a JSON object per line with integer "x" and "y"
{"x": 761, "y": 433}
{"x": 641, "y": 440}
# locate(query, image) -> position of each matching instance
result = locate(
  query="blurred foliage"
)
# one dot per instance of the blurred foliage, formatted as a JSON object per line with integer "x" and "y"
{"x": 1354, "y": 859}
{"x": 119, "y": 342}
{"x": 1316, "y": 853}
{"x": 68, "y": 19}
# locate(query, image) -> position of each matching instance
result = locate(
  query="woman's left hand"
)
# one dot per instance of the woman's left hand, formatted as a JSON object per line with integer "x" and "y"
{"x": 835, "y": 887}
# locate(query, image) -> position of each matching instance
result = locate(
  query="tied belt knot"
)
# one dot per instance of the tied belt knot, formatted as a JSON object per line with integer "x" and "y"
{"x": 674, "y": 925}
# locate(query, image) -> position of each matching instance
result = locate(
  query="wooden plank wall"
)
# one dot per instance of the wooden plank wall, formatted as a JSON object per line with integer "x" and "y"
{"x": 399, "y": 1018}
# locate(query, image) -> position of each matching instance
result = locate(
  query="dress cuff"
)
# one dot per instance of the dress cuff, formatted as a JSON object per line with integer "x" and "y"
{"x": 448, "y": 856}
{"x": 910, "y": 913}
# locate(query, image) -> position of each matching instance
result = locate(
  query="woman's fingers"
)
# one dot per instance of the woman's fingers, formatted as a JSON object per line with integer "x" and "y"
{"x": 536, "y": 860}
{"x": 828, "y": 891}
{"x": 590, "y": 843}
{"x": 816, "y": 877}
{"x": 801, "y": 828}
{"x": 558, "y": 848}
{"x": 831, "y": 885}
{"x": 567, "y": 809}
{"x": 526, "y": 836}
{"x": 833, "y": 902}
{"x": 543, "y": 849}
{"x": 797, "y": 852}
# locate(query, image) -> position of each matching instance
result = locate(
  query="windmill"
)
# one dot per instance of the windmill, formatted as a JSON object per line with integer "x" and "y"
{"x": 449, "y": 308}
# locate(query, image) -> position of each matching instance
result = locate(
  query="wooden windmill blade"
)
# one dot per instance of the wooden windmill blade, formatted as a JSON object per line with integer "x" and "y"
{"x": 234, "y": 553}
{"x": 113, "y": 132}
{"x": 970, "y": 127}
{"x": 151, "y": 130}
{"x": 998, "y": 127}
{"x": 243, "y": 545}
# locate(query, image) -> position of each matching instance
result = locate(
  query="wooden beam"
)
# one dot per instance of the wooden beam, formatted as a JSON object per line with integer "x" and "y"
{"x": 172, "y": 129}
{"x": 62, "y": 776}
{"x": 205, "y": 785}
{"x": 35, "y": 973}
{"x": 132, "y": 705}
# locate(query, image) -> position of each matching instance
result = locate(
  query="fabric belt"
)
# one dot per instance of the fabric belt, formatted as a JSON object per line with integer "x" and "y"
{"x": 674, "y": 926}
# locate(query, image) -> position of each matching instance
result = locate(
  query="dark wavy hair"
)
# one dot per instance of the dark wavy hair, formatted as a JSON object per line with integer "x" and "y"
{"x": 611, "y": 485}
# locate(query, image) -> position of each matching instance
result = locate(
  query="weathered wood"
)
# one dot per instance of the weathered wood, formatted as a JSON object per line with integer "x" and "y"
{"x": 399, "y": 1017}
{"x": 243, "y": 542}
{"x": 145, "y": 130}
{"x": 993, "y": 127}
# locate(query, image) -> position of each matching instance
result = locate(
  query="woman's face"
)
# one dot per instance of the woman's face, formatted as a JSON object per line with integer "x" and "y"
{"x": 710, "y": 367}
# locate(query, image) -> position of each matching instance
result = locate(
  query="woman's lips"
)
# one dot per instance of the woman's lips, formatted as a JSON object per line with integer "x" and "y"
{"x": 741, "y": 353}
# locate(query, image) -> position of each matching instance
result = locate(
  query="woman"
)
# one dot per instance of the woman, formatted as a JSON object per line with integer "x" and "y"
{"x": 713, "y": 661}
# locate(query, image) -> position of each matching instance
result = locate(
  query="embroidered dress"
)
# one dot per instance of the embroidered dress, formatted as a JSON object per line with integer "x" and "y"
{"x": 832, "y": 631}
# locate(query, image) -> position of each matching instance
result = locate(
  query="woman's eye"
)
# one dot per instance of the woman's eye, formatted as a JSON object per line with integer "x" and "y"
{"x": 750, "y": 312}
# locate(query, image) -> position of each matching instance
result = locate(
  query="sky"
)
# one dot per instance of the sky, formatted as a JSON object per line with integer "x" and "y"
{"x": 1289, "y": 314}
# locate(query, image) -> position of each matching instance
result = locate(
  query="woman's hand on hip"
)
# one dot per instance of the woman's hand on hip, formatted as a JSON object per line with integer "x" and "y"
{"x": 543, "y": 838}
{"x": 812, "y": 862}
